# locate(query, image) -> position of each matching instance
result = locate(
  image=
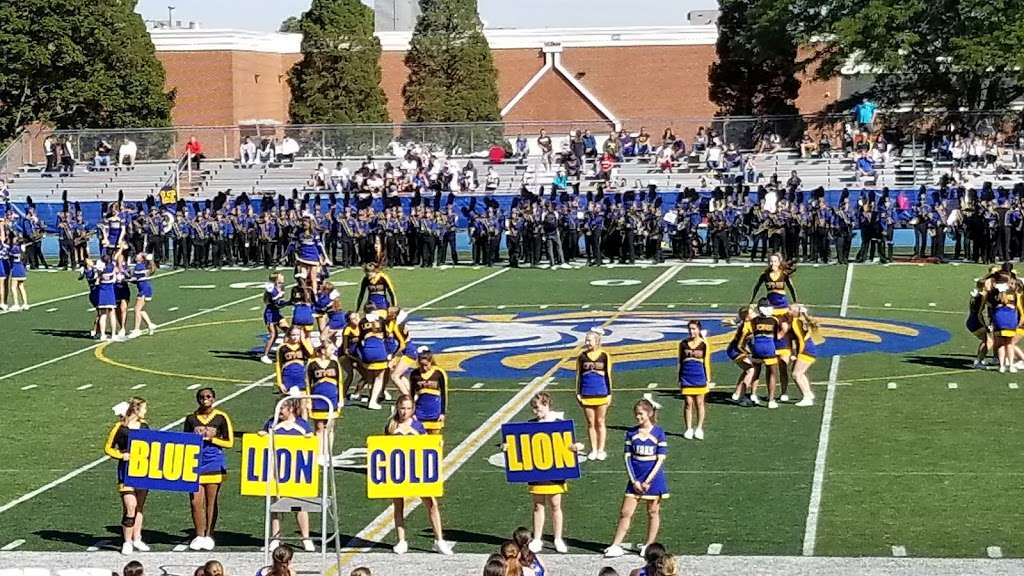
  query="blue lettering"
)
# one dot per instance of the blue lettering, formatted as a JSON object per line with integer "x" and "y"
{"x": 304, "y": 462}
{"x": 397, "y": 467}
{"x": 284, "y": 465}
{"x": 250, "y": 472}
{"x": 413, "y": 478}
{"x": 378, "y": 468}
{"x": 431, "y": 468}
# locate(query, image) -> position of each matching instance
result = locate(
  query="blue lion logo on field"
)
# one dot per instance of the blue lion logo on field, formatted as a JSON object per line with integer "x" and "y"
{"x": 518, "y": 345}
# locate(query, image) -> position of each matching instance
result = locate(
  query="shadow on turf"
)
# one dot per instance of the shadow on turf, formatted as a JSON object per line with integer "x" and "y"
{"x": 76, "y": 334}
{"x": 112, "y": 536}
{"x": 235, "y": 355}
{"x": 949, "y": 361}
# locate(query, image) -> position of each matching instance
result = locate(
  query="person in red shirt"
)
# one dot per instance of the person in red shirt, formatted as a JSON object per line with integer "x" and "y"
{"x": 496, "y": 155}
{"x": 195, "y": 151}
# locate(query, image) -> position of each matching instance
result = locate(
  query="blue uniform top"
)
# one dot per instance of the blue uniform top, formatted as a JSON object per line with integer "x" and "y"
{"x": 594, "y": 375}
{"x": 299, "y": 427}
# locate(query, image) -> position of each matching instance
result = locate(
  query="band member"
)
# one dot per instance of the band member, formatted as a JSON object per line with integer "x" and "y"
{"x": 694, "y": 376}
{"x": 131, "y": 416}
{"x": 428, "y": 384}
{"x": 141, "y": 271}
{"x": 218, "y": 435}
{"x": 594, "y": 392}
{"x": 379, "y": 287}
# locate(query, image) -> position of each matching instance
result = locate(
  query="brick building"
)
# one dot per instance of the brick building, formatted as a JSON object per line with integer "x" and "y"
{"x": 650, "y": 76}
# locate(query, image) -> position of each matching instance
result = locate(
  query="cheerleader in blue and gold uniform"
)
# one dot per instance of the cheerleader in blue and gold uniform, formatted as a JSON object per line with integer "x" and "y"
{"x": 91, "y": 274}
{"x": 401, "y": 349}
{"x": 764, "y": 331}
{"x": 646, "y": 450}
{"x": 218, "y": 435}
{"x": 428, "y": 384}
{"x": 144, "y": 267}
{"x": 1004, "y": 309}
{"x": 328, "y": 311}
{"x": 378, "y": 286}
{"x": 777, "y": 278}
{"x": 292, "y": 356}
{"x": 302, "y": 307}
{"x": 4, "y": 256}
{"x": 108, "y": 271}
{"x": 803, "y": 329}
{"x": 694, "y": 376}
{"x": 309, "y": 253}
{"x": 348, "y": 355}
{"x": 373, "y": 353}
{"x": 738, "y": 351}
{"x": 18, "y": 274}
{"x": 323, "y": 378}
{"x": 273, "y": 300}
{"x": 112, "y": 234}
{"x": 975, "y": 323}
{"x": 594, "y": 392}
{"x": 404, "y": 423}
{"x": 131, "y": 416}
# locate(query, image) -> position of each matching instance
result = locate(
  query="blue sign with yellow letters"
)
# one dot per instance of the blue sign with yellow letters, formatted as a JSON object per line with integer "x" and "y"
{"x": 540, "y": 451}
{"x": 160, "y": 460}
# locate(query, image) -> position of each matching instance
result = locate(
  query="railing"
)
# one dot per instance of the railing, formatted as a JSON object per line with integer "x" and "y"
{"x": 15, "y": 155}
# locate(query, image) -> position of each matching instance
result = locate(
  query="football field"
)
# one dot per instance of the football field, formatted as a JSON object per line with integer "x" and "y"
{"x": 908, "y": 451}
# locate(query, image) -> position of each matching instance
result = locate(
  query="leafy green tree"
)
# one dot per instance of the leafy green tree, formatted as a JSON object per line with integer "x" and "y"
{"x": 290, "y": 25}
{"x": 452, "y": 77}
{"x": 947, "y": 54}
{"x": 76, "y": 64}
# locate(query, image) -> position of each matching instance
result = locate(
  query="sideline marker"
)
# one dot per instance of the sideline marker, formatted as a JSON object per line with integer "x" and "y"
{"x": 891, "y": 385}
{"x": 952, "y": 386}
{"x": 84, "y": 387}
{"x": 993, "y": 552}
{"x": 899, "y": 551}
{"x": 714, "y": 549}
{"x": 1011, "y": 386}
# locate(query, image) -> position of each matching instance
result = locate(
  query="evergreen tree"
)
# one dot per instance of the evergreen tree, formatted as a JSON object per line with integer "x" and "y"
{"x": 76, "y": 64}
{"x": 755, "y": 74}
{"x": 338, "y": 79}
{"x": 451, "y": 71}
{"x": 290, "y": 25}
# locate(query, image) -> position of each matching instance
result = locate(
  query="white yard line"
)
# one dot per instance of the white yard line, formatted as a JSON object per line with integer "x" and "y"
{"x": 83, "y": 469}
{"x": 383, "y": 524}
{"x": 814, "y": 506}
{"x": 86, "y": 293}
{"x": 12, "y": 545}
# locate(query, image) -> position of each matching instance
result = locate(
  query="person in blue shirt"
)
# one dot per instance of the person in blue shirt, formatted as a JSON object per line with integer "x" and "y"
{"x": 143, "y": 268}
{"x": 289, "y": 423}
{"x": 865, "y": 114}
{"x": 645, "y": 453}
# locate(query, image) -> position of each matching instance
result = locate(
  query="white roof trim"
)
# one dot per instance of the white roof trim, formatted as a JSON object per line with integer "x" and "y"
{"x": 529, "y": 86}
{"x": 212, "y": 39}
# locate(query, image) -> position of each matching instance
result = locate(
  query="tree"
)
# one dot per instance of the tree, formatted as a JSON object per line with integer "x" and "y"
{"x": 451, "y": 71}
{"x": 755, "y": 74}
{"x": 947, "y": 54}
{"x": 77, "y": 64}
{"x": 290, "y": 25}
{"x": 338, "y": 79}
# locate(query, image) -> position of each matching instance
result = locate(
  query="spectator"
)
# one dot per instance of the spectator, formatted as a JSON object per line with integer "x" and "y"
{"x": 102, "y": 158}
{"x": 561, "y": 180}
{"x": 612, "y": 147}
{"x": 247, "y": 153}
{"x": 522, "y": 148}
{"x": 700, "y": 141}
{"x": 750, "y": 172}
{"x": 361, "y": 571}
{"x": 544, "y": 141}
{"x": 825, "y": 144}
{"x": 793, "y": 184}
{"x": 495, "y": 566}
{"x": 626, "y": 144}
{"x": 133, "y": 568}
{"x": 865, "y": 114}
{"x": 608, "y": 571}
{"x": 289, "y": 148}
{"x": 282, "y": 562}
{"x": 865, "y": 167}
{"x": 528, "y": 560}
{"x": 266, "y": 152}
{"x": 496, "y": 155}
{"x": 492, "y": 180}
{"x": 607, "y": 168}
{"x": 652, "y": 554}
{"x": 51, "y": 150}
{"x": 213, "y": 568}
{"x": 668, "y": 137}
{"x": 194, "y": 151}
{"x": 126, "y": 152}
{"x": 510, "y": 552}
{"x": 643, "y": 142}
{"x": 318, "y": 180}
{"x": 807, "y": 147}
{"x": 340, "y": 178}
{"x": 67, "y": 155}
{"x": 576, "y": 146}
{"x": 665, "y": 157}
{"x": 714, "y": 158}
{"x": 589, "y": 145}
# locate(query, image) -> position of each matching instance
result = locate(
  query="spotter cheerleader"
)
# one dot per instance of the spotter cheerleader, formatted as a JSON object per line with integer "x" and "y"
{"x": 764, "y": 332}
{"x": 594, "y": 392}
{"x": 309, "y": 253}
{"x": 694, "y": 376}
{"x": 378, "y": 286}
{"x": 803, "y": 328}
{"x": 273, "y": 301}
{"x": 784, "y": 352}
{"x": 292, "y": 356}
{"x": 428, "y": 384}
{"x": 401, "y": 349}
{"x": 302, "y": 298}
{"x": 131, "y": 416}
{"x": 323, "y": 378}
{"x": 547, "y": 493}
{"x": 91, "y": 275}
{"x": 144, "y": 267}
{"x": 975, "y": 323}
{"x": 404, "y": 423}
{"x": 776, "y": 279}
{"x": 348, "y": 355}
{"x": 289, "y": 424}
{"x": 328, "y": 311}
{"x": 218, "y": 435}
{"x": 122, "y": 295}
{"x": 373, "y": 353}
{"x": 1004, "y": 308}
{"x": 108, "y": 271}
{"x": 739, "y": 352}
{"x": 646, "y": 450}
{"x": 18, "y": 275}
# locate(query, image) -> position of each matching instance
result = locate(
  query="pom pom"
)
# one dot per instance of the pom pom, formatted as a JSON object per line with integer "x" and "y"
{"x": 402, "y": 316}
{"x": 269, "y": 286}
{"x": 294, "y": 392}
{"x": 765, "y": 311}
{"x": 149, "y": 257}
{"x": 120, "y": 409}
{"x": 703, "y": 333}
{"x": 335, "y": 295}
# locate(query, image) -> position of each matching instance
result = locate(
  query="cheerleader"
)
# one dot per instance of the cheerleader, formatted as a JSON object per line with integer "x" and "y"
{"x": 144, "y": 267}
{"x": 378, "y": 286}
{"x": 653, "y": 554}
{"x": 302, "y": 307}
{"x": 4, "y": 256}
{"x": 122, "y": 294}
{"x": 348, "y": 355}
{"x": 428, "y": 384}
{"x": 764, "y": 332}
{"x": 91, "y": 275}
{"x": 784, "y": 351}
{"x": 112, "y": 234}
{"x": 373, "y": 354}
{"x": 131, "y": 416}
{"x": 18, "y": 275}
{"x": 646, "y": 450}
{"x": 694, "y": 376}
{"x": 404, "y": 423}
{"x": 327, "y": 308}
{"x": 547, "y": 493}
{"x": 739, "y": 352}
{"x": 218, "y": 435}
{"x": 975, "y": 324}
{"x": 804, "y": 329}
{"x": 292, "y": 356}
{"x": 273, "y": 301}
{"x": 594, "y": 392}
{"x": 777, "y": 278}
{"x": 289, "y": 423}
{"x": 323, "y": 378}
{"x": 1004, "y": 308}
{"x": 400, "y": 348}
{"x": 309, "y": 252}
{"x": 106, "y": 298}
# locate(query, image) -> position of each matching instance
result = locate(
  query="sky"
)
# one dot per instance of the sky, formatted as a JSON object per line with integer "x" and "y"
{"x": 266, "y": 15}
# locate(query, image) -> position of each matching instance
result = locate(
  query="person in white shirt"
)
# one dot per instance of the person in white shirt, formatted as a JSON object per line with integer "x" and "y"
{"x": 126, "y": 152}
{"x": 492, "y": 180}
{"x": 340, "y": 177}
{"x": 247, "y": 153}
{"x": 287, "y": 151}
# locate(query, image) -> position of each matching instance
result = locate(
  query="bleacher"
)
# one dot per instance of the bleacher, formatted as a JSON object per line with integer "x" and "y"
{"x": 84, "y": 184}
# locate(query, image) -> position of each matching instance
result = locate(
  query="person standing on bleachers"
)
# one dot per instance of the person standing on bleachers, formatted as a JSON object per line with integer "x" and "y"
{"x": 544, "y": 141}
{"x": 51, "y": 150}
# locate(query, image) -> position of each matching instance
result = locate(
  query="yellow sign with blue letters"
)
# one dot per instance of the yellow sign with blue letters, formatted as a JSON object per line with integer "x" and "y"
{"x": 163, "y": 460}
{"x": 404, "y": 466}
{"x": 298, "y": 468}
